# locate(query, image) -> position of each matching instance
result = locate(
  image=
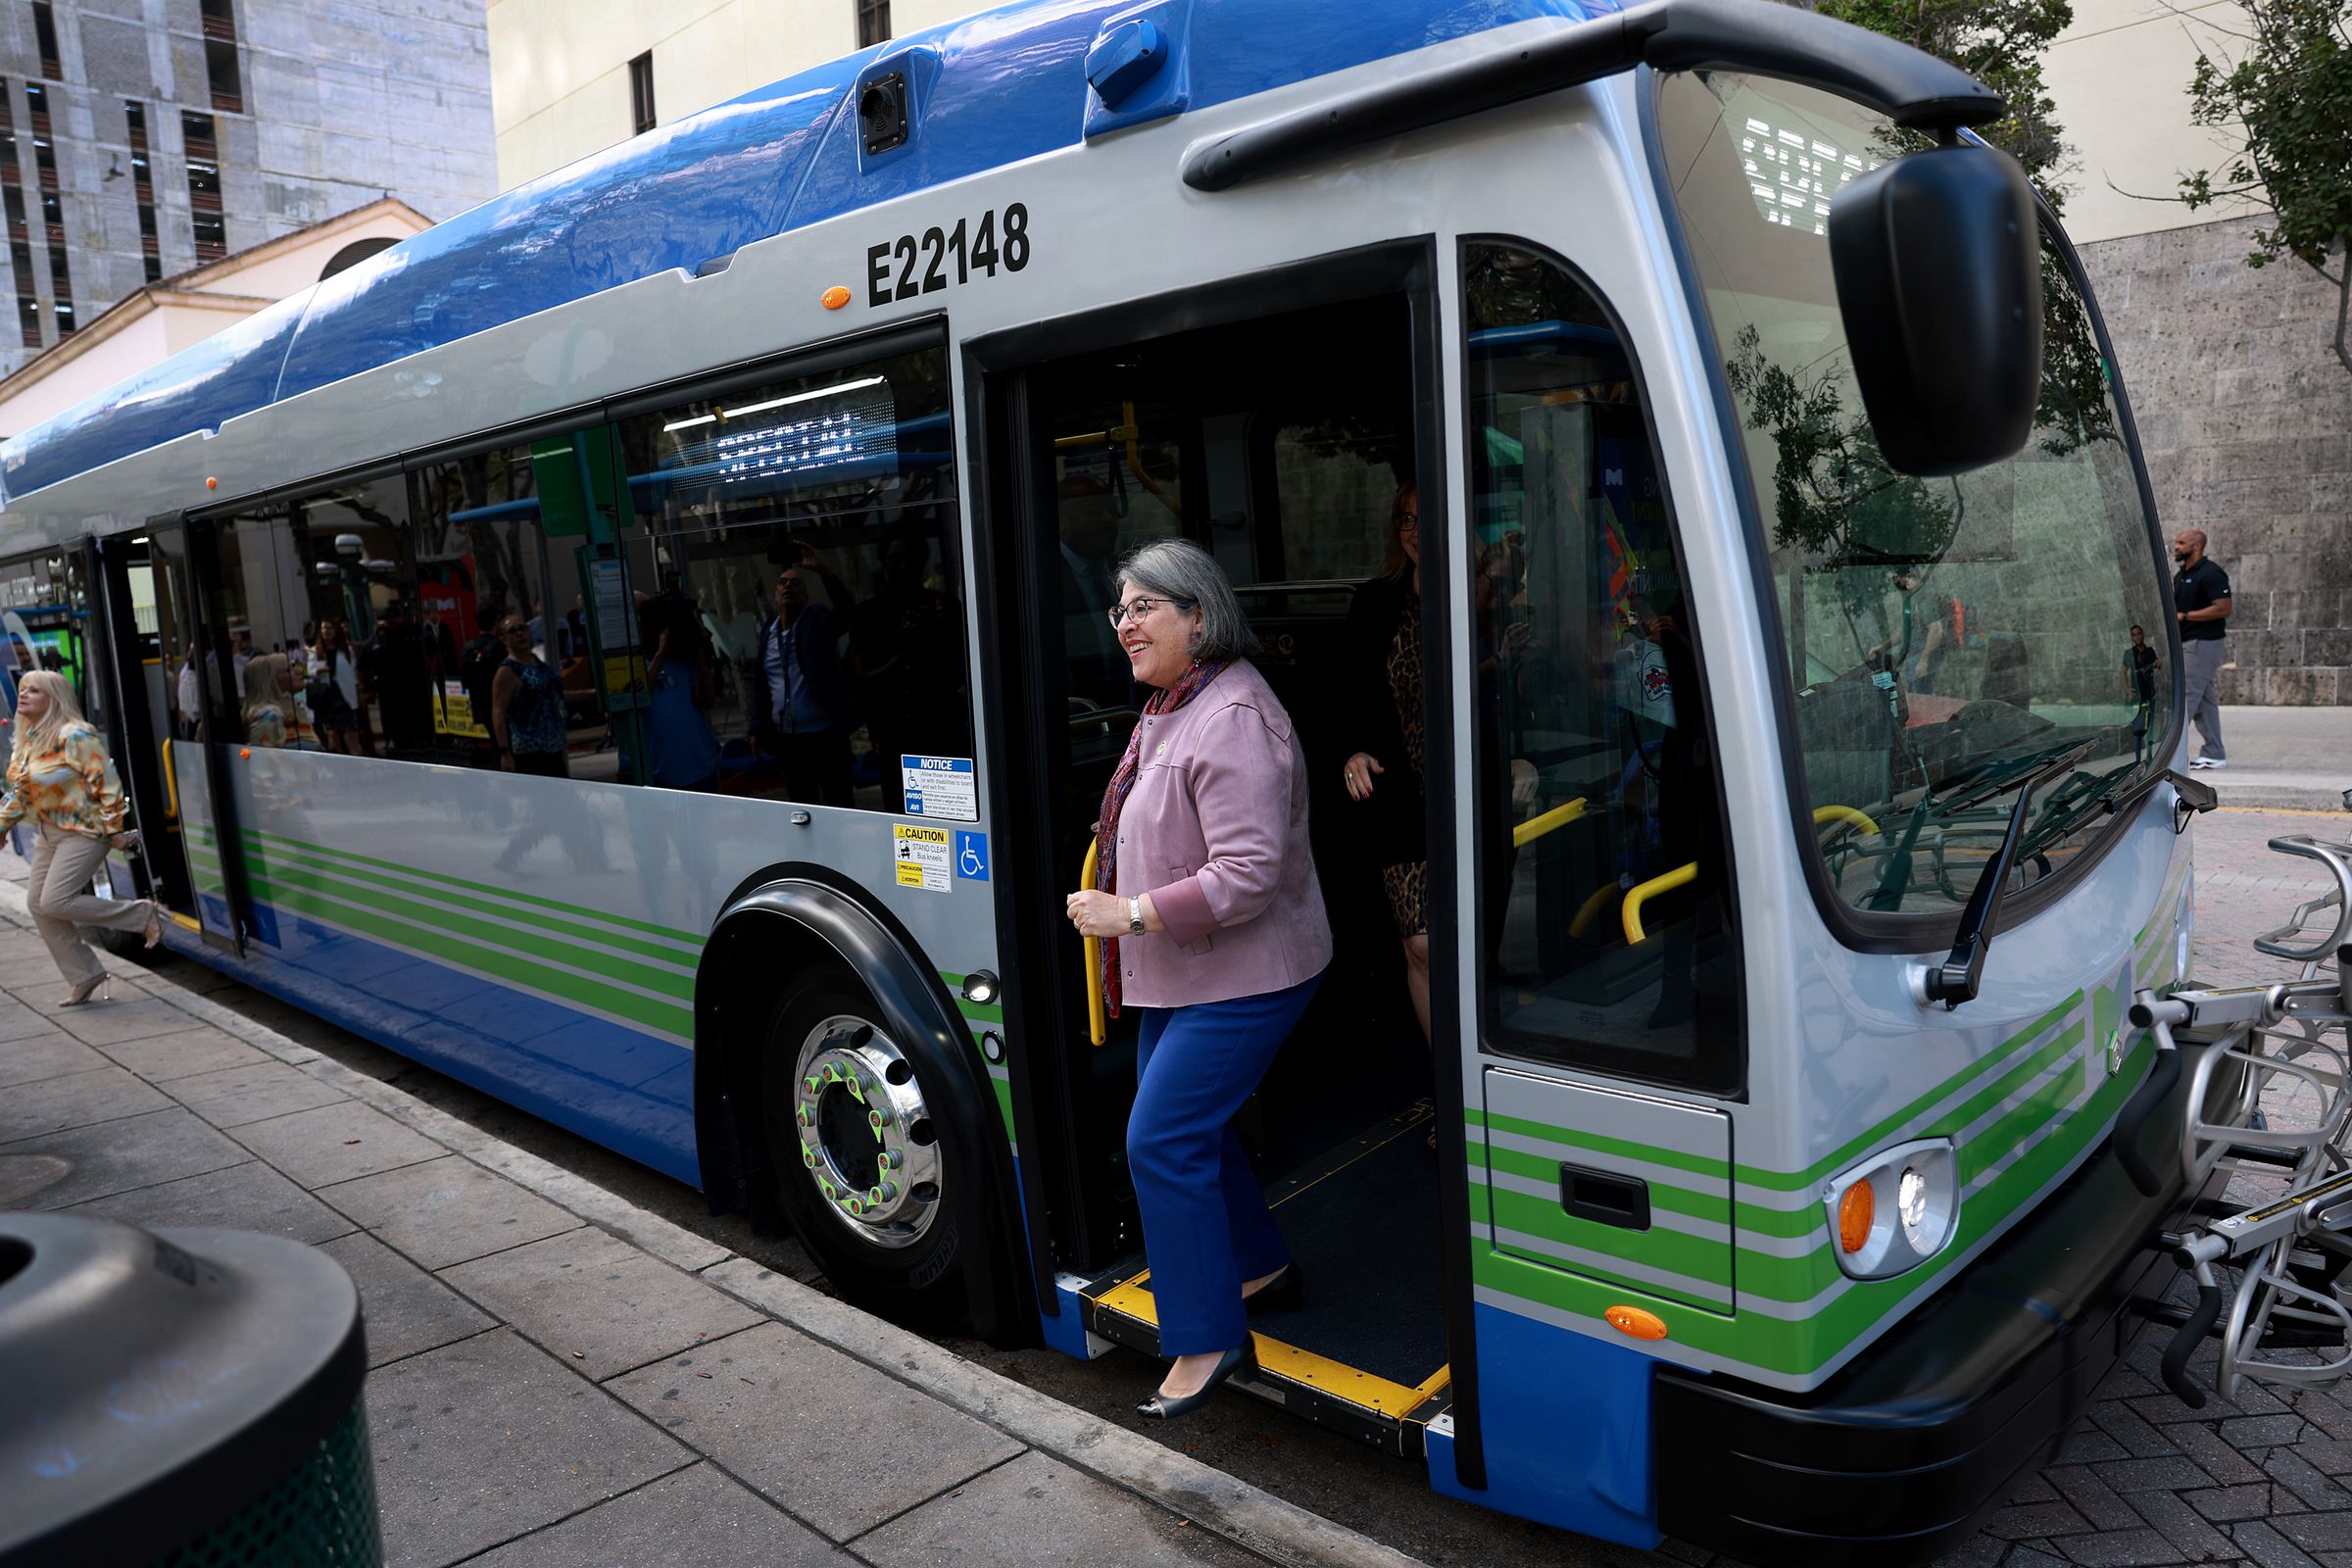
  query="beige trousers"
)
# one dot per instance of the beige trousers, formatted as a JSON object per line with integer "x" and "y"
{"x": 63, "y": 865}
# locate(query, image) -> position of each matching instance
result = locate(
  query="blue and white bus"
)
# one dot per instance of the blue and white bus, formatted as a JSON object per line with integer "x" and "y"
{"x": 1793, "y": 846}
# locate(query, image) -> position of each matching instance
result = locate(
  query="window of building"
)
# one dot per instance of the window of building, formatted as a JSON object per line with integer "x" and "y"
{"x": 221, "y": 56}
{"x": 44, "y": 29}
{"x": 800, "y": 621}
{"x": 53, "y": 225}
{"x": 874, "y": 23}
{"x": 142, "y": 180}
{"x": 641, "y": 92}
{"x": 19, "y": 237}
{"x": 202, "y": 143}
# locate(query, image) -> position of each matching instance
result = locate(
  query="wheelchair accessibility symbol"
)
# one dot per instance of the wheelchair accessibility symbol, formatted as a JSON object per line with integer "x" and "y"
{"x": 971, "y": 856}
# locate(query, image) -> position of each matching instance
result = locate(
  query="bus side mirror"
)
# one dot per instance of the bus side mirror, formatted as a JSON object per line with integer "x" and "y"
{"x": 1938, "y": 270}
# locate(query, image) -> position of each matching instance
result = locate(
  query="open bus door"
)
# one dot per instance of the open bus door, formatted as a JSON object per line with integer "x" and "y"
{"x": 178, "y": 780}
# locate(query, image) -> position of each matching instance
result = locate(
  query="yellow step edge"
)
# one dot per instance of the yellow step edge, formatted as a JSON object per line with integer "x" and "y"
{"x": 1395, "y": 1401}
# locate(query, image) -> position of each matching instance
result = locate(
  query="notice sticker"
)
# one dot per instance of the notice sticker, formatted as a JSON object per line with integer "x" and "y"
{"x": 924, "y": 856}
{"x": 940, "y": 786}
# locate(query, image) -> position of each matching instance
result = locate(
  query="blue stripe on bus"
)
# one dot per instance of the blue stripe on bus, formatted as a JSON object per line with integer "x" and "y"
{"x": 1010, "y": 86}
{"x": 626, "y": 1091}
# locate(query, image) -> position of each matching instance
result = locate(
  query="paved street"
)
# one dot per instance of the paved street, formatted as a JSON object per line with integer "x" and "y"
{"x": 574, "y": 1363}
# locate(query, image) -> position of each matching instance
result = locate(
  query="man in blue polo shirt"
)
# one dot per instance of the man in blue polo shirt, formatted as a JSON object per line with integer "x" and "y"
{"x": 2201, "y": 603}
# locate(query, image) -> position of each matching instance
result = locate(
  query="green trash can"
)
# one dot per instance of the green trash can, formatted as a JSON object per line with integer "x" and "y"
{"x": 179, "y": 1399}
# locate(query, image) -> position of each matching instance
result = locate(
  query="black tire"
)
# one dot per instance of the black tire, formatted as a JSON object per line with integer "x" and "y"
{"x": 898, "y": 1258}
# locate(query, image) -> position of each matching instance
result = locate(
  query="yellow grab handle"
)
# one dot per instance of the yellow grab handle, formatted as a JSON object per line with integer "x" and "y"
{"x": 1843, "y": 814}
{"x": 170, "y": 785}
{"x": 1535, "y": 827}
{"x": 1642, "y": 893}
{"x": 1096, "y": 1025}
{"x": 1603, "y": 897}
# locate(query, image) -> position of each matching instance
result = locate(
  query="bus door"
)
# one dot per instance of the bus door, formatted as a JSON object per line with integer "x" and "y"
{"x": 176, "y": 780}
{"x": 1280, "y": 440}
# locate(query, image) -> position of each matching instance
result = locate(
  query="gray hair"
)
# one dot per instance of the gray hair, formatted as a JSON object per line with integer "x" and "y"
{"x": 1180, "y": 569}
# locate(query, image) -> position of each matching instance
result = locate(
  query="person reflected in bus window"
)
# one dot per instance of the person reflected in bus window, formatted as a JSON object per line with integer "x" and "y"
{"x": 61, "y": 782}
{"x": 683, "y": 748}
{"x": 1387, "y": 762}
{"x": 477, "y": 674}
{"x": 335, "y": 690}
{"x": 526, "y": 708}
{"x": 1213, "y": 928}
{"x": 907, "y": 657}
{"x": 808, "y": 721}
{"x": 1090, "y": 542}
{"x": 399, "y": 666}
{"x": 185, "y": 697}
{"x": 2140, "y": 665}
{"x": 265, "y": 711}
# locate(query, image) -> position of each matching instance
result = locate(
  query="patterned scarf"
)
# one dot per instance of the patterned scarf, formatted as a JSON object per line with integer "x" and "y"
{"x": 1114, "y": 800}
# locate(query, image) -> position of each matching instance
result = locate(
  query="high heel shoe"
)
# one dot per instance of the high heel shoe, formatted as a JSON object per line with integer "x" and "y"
{"x": 1167, "y": 1407}
{"x": 88, "y": 988}
{"x": 1286, "y": 1292}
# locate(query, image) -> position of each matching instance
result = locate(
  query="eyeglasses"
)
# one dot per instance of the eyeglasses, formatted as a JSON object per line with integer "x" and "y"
{"x": 1140, "y": 608}
{"x": 1408, "y": 522}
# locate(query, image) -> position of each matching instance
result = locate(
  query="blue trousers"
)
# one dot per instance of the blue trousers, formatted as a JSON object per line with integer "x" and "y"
{"x": 1205, "y": 1224}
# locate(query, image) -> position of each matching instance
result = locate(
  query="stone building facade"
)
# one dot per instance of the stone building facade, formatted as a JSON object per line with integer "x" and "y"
{"x": 2245, "y": 417}
{"x": 145, "y": 137}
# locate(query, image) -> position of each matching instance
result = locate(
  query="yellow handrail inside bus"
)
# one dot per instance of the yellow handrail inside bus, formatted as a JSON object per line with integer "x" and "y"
{"x": 1535, "y": 827}
{"x": 1097, "y": 1027}
{"x": 1591, "y": 911}
{"x": 170, "y": 785}
{"x": 1843, "y": 814}
{"x": 1642, "y": 893}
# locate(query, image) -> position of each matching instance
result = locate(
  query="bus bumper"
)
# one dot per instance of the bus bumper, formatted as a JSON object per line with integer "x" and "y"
{"x": 1893, "y": 1460}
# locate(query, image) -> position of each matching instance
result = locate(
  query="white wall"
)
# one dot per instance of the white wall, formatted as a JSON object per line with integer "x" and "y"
{"x": 560, "y": 69}
{"x": 2120, "y": 79}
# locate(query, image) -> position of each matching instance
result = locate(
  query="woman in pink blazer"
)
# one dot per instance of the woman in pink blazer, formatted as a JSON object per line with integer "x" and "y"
{"x": 1214, "y": 928}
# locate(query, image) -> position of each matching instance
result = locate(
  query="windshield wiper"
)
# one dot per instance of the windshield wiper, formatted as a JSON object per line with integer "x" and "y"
{"x": 1895, "y": 880}
{"x": 1957, "y": 978}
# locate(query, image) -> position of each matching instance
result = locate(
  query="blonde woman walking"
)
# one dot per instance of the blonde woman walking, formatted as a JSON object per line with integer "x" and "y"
{"x": 62, "y": 782}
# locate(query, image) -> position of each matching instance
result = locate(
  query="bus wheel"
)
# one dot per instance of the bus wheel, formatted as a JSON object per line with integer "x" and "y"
{"x": 858, "y": 1164}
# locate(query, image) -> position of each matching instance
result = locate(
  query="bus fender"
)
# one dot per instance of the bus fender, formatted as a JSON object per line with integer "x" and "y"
{"x": 778, "y": 924}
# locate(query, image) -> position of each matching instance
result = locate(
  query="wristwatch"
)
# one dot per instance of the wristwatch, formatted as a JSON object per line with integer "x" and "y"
{"x": 1135, "y": 917}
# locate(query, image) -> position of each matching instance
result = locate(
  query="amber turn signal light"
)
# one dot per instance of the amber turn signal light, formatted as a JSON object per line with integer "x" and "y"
{"x": 1855, "y": 1212}
{"x": 1635, "y": 1322}
{"x": 835, "y": 297}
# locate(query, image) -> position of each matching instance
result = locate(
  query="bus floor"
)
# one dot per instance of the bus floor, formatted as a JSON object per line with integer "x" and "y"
{"x": 1365, "y": 1353}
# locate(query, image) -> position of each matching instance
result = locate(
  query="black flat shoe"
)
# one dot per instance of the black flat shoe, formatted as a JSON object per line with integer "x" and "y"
{"x": 1286, "y": 1292}
{"x": 1161, "y": 1407}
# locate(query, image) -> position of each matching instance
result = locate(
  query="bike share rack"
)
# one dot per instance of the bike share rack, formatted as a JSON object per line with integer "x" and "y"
{"x": 2291, "y": 1250}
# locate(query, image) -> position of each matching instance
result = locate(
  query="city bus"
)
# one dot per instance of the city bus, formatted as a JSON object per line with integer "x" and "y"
{"x": 1793, "y": 837}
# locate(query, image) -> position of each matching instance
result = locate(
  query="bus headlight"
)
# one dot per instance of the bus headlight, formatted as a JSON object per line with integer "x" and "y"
{"x": 1895, "y": 1212}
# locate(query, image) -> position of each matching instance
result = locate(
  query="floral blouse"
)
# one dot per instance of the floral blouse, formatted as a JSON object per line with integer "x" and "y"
{"x": 73, "y": 787}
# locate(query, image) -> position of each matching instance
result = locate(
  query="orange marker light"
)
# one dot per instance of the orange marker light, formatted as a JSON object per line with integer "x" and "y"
{"x": 245, "y": 753}
{"x": 1636, "y": 1323}
{"x": 1855, "y": 1211}
{"x": 835, "y": 297}
{"x": 212, "y": 483}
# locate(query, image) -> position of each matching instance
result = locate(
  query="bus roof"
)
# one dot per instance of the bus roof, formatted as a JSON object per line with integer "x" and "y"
{"x": 991, "y": 89}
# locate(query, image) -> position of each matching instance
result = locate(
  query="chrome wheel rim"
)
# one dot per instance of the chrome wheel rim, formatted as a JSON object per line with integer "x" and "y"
{"x": 866, "y": 1136}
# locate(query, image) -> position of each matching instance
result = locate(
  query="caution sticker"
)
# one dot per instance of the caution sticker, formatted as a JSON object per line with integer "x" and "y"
{"x": 924, "y": 854}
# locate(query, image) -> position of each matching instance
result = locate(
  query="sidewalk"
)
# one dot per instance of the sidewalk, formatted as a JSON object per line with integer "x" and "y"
{"x": 557, "y": 1377}
{"x": 2298, "y": 758}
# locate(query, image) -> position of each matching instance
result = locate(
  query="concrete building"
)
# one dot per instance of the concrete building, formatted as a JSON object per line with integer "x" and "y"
{"x": 143, "y": 139}
{"x": 2244, "y": 414}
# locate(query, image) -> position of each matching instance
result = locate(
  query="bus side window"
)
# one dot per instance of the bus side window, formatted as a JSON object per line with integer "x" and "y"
{"x": 1605, "y": 933}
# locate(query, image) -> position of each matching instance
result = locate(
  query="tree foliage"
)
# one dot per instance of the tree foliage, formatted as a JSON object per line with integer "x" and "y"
{"x": 2000, "y": 44}
{"x": 2288, "y": 96}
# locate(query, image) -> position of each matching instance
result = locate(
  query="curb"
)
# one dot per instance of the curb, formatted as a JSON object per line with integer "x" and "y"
{"x": 1252, "y": 1519}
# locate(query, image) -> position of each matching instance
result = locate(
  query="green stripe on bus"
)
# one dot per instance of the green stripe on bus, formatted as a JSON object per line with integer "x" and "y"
{"x": 690, "y": 937}
{"x": 1598, "y": 1143}
{"x": 669, "y": 982}
{"x": 1793, "y": 1347}
{"x": 1694, "y": 1258}
{"x": 278, "y": 849}
{"x": 1536, "y": 1168}
{"x": 494, "y": 965}
{"x": 1853, "y": 1148}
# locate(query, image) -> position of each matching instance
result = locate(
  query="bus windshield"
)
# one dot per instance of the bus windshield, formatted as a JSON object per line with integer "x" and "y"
{"x": 1938, "y": 634}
